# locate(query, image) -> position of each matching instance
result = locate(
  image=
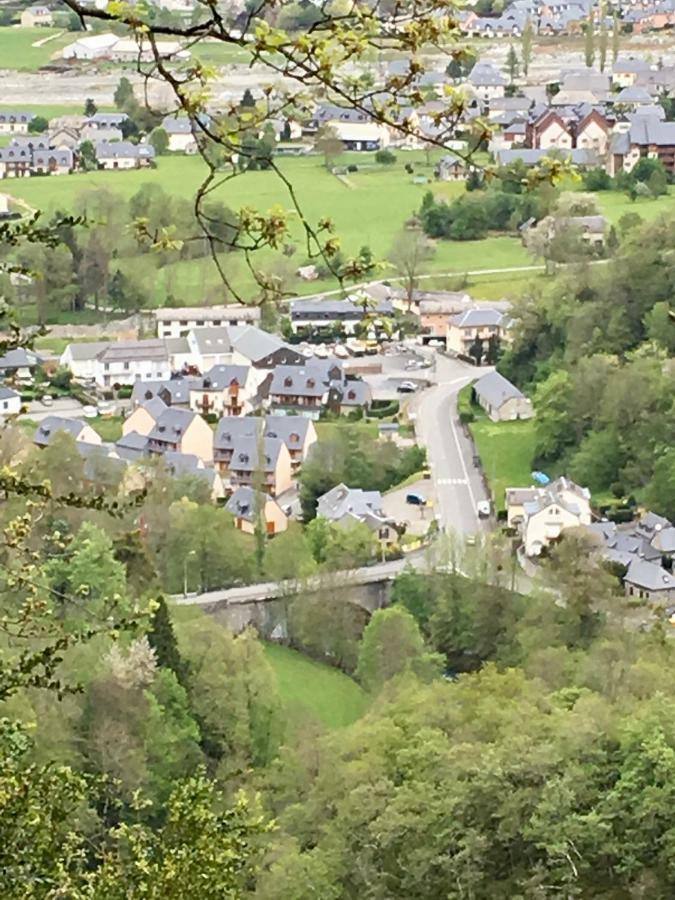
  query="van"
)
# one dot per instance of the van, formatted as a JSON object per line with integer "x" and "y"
{"x": 483, "y": 508}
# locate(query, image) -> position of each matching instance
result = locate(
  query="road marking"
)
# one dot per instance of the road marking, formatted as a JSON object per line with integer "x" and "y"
{"x": 452, "y": 481}
{"x": 464, "y": 468}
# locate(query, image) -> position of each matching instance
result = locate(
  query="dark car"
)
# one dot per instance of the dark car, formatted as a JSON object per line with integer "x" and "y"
{"x": 415, "y": 500}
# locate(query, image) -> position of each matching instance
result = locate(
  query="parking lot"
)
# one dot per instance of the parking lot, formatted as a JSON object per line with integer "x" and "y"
{"x": 396, "y": 369}
{"x": 416, "y": 518}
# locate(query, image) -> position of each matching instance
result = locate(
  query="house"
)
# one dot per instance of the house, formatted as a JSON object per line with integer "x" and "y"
{"x": 451, "y": 168}
{"x": 249, "y": 506}
{"x": 633, "y": 97}
{"x": 188, "y": 465}
{"x": 501, "y": 399}
{"x": 177, "y": 322}
{"x": 144, "y": 417}
{"x": 625, "y": 71}
{"x": 181, "y": 135}
{"x": 476, "y": 326}
{"x": 517, "y": 107}
{"x": 309, "y": 316}
{"x": 261, "y": 461}
{"x": 302, "y": 390}
{"x": 95, "y": 46}
{"x": 486, "y": 82}
{"x": 361, "y": 136}
{"x": 14, "y": 121}
{"x": 82, "y": 359}
{"x": 542, "y": 514}
{"x": 578, "y": 157}
{"x": 649, "y": 581}
{"x": 435, "y": 310}
{"x": 15, "y": 162}
{"x": 103, "y": 121}
{"x": 124, "y": 155}
{"x": 353, "y": 394}
{"x": 10, "y": 402}
{"x": 226, "y": 391}
{"x": 593, "y": 229}
{"x": 647, "y": 137}
{"x": 297, "y": 433}
{"x": 19, "y": 363}
{"x": 53, "y": 162}
{"x": 181, "y": 431}
{"x": 37, "y": 17}
{"x": 345, "y": 506}
{"x": 132, "y": 446}
{"x": 245, "y": 345}
{"x": 173, "y": 392}
{"x": 550, "y": 130}
{"x": 125, "y": 362}
{"x": 53, "y": 425}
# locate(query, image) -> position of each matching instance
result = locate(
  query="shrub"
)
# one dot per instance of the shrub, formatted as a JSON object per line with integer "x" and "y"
{"x": 385, "y": 157}
{"x": 125, "y": 392}
{"x": 352, "y": 167}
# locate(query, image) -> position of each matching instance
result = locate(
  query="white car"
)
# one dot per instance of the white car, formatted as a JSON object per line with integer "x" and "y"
{"x": 320, "y": 352}
{"x": 483, "y": 508}
{"x": 341, "y": 351}
{"x": 307, "y": 352}
{"x": 89, "y": 412}
{"x": 47, "y": 400}
{"x": 407, "y": 387}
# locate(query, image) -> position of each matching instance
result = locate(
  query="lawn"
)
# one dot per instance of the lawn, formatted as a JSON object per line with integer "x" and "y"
{"x": 17, "y": 50}
{"x": 327, "y": 430}
{"x": 615, "y": 204}
{"x": 109, "y": 428}
{"x": 310, "y": 688}
{"x": 506, "y": 450}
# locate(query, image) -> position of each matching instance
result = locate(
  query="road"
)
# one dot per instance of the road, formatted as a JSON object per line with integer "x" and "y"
{"x": 457, "y": 483}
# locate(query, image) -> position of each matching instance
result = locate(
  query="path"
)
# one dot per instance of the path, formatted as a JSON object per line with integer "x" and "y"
{"x": 47, "y": 39}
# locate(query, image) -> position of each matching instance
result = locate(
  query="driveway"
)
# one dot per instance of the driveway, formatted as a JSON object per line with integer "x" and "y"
{"x": 416, "y": 518}
{"x": 66, "y": 407}
{"x": 457, "y": 483}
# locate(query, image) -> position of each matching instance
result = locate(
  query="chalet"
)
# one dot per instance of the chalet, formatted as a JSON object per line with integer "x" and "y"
{"x": 144, "y": 418}
{"x": 178, "y": 322}
{"x": 309, "y": 316}
{"x": 53, "y": 162}
{"x": 226, "y": 391}
{"x": 261, "y": 462}
{"x": 172, "y": 392}
{"x": 37, "y": 17}
{"x": 543, "y": 514}
{"x": 344, "y": 506}
{"x": 124, "y": 155}
{"x": 50, "y": 426}
{"x": 297, "y": 432}
{"x": 501, "y": 399}
{"x": 10, "y": 402}
{"x": 648, "y": 137}
{"x": 14, "y": 121}
{"x": 475, "y": 325}
{"x": 125, "y": 362}
{"x": 181, "y": 431}
{"x": 249, "y": 507}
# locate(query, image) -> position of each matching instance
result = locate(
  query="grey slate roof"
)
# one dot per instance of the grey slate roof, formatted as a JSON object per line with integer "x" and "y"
{"x": 7, "y": 393}
{"x": 579, "y": 157}
{"x": 298, "y": 381}
{"x": 495, "y": 390}
{"x": 477, "y": 318}
{"x": 664, "y": 540}
{"x": 292, "y": 430}
{"x": 245, "y": 456}
{"x": 255, "y": 344}
{"x": 178, "y": 390}
{"x": 645, "y": 131}
{"x": 172, "y": 425}
{"x": 44, "y": 158}
{"x": 123, "y": 351}
{"x": 630, "y": 64}
{"x": 342, "y": 502}
{"x": 213, "y": 339}
{"x": 131, "y": 446}
{"x": 123, "y": 150}
{"x": 220, "y": 377}
{"x": 649, "y": 576}
{"x": 81, "y": 352}
{"x": 244, "y": 500}
{"x": 634, "y": 94}
{"x": 19, "y": 358}
{"x": 484, "y": 74}
{"x": 52, "y": 425}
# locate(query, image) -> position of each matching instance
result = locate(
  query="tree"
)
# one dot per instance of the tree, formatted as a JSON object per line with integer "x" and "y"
{"x": 616, "y": 36}
{"x": 554, "y": 426}
{"x": 90, "y": 108}
{"x": 589, "y": 42}
{"x": 124, "y": 93}
{"x": 159, "y": 140}
{"x": 512, "y": 64}
{"x": 162, "y": 640}
{"x": 247, "y": 100}
{"x": 603, "y": 38}
{"x": 38, "y": 125}
{"x": 88, "y": 160}
{"x": 409, "y": 253}
{"x": 526, "y": 45}
{"x": 476, "y": 350}
{"x": 125, "y": 294}
{"x": 329, "y": 145}
{"x": 392, "y": 644}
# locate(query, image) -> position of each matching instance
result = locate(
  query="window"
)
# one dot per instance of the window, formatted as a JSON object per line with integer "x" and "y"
{"x": 126, "y": 366}
{"x": 106, "y": 367}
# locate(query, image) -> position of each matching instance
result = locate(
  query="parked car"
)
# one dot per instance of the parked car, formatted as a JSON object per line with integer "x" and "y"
{"x": 89, "y": 412}
{"x": 407, "y": 387}
{"x": 483, "y": 508}
{"x": 416, "y": 499}
{"x": 341, "y": 351}
{"x": 47, "y": 399}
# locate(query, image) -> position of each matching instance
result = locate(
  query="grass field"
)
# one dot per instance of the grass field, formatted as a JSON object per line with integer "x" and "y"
{"x": 109, "y": 427}
{"x": 311, "y": 689}
{"x": 17, "y": 50}
{"x": 506, "y": 450}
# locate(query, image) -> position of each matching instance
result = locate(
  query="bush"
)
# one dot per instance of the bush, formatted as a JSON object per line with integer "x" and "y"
{"x": 211, "y": 418}
{"x": 352, "y": 167}
{"x": 385, "y": 157}
{"x": 125, "y": 392}
{"x": 382, "y": 409}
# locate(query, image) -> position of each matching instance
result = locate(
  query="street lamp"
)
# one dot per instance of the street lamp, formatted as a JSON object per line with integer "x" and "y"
{"x": 185, "y": 565}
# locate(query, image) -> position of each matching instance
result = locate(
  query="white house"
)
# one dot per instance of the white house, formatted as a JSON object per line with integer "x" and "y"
{"x": 501, "y": 399}
{"x": 82, "y": 359}
{"x": 10, "y": 402}
{"x": 180, "y": 134}
{"x": 14, "y": 121}
{"x": 124, "y": 155}
{"x": 543, "y": 514}
{"x": 94, "y": 46}
{"x": 37, "y": 17}
{"x": 126, "y": 362}
{"x": 177, "y": 322}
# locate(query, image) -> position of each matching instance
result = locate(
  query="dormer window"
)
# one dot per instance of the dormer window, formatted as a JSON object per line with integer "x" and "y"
{"x": 288, "y": 382}
{"x": 311, "y": 383}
